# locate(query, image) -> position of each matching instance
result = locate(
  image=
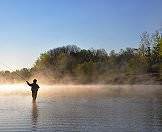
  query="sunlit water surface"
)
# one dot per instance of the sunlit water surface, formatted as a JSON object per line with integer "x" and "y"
{"x": 81, "y": 108}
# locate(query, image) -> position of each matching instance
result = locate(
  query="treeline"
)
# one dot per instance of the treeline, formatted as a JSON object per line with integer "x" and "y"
{"x": 71, "y": 64}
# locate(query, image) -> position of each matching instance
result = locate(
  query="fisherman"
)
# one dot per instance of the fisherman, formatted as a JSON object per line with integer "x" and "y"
{"x": 34, "y": 88}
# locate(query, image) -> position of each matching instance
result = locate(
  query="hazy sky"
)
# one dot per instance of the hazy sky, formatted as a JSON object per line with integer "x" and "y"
{"x": 29, "y": 27}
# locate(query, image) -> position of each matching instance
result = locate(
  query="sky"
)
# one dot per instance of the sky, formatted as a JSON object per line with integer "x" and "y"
{"x": 31, "y": 27}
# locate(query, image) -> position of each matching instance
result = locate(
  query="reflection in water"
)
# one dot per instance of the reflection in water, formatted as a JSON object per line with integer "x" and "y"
{"x": 83, "y": 109}
{"x": 34, "y": 116}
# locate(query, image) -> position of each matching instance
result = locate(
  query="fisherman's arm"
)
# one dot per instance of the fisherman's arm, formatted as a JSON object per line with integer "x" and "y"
{"x": 28, "y": 83}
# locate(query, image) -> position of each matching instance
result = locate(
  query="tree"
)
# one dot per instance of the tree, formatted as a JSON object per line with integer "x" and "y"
{"x": 145, "y": 49}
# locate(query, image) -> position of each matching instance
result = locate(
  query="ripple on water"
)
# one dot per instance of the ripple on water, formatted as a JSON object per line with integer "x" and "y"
{"x": 117, "y": 112}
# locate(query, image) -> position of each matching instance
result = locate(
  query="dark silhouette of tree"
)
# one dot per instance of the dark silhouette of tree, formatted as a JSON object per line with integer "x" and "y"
{"x": 73, "y": 64}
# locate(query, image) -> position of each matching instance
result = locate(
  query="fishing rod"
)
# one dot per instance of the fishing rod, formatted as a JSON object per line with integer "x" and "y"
{"x": 14, "y": 72}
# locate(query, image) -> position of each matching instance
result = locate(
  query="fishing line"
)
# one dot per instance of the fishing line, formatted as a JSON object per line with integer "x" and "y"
{"x": 14, "y": 72}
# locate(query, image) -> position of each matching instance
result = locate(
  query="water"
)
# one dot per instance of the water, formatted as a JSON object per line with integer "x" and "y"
{"x": 82, "y": 109}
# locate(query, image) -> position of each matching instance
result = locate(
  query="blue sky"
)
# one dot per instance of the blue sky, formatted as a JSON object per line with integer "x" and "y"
{"x": 30, "y": 27}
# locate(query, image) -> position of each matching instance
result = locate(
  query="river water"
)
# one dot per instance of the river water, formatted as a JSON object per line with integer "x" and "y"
{"x": 82, "y": 108}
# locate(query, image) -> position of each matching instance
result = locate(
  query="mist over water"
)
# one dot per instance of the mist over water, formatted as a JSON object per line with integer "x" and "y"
{"x": 81, "y": 108}
{"x": 80, "y": 90}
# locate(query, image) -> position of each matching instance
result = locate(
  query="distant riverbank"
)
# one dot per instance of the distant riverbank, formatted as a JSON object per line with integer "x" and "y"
{"x": 72, "y": 65}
